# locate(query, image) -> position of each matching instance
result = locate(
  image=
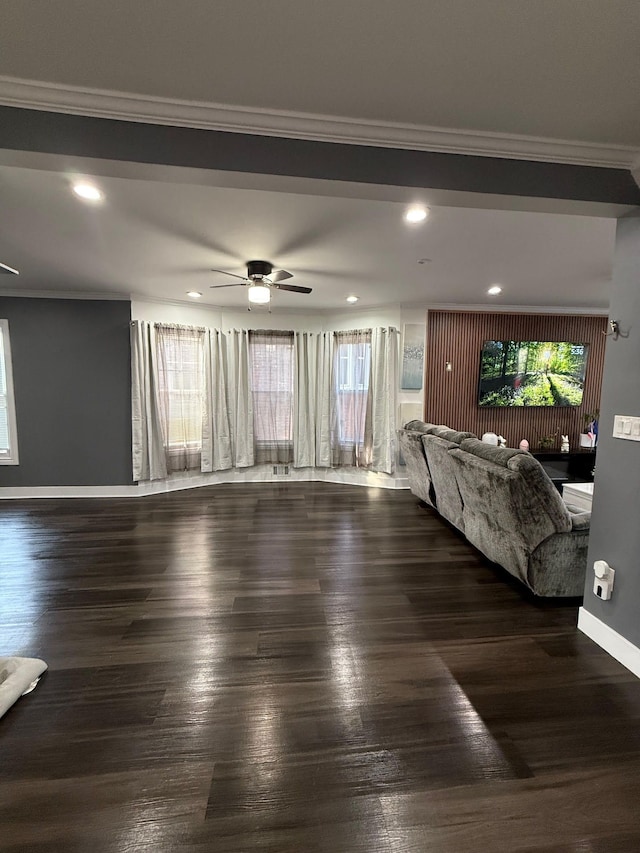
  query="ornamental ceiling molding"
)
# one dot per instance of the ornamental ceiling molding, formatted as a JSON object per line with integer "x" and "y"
{"x": 100, "y": 103}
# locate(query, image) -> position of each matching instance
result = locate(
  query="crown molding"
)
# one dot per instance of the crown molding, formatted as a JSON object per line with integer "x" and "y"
{"x": 567, "y": 310}
{"x": 102, "y": 296}
{"x": 110, "y": 296}
{"x": 101, "y": 103}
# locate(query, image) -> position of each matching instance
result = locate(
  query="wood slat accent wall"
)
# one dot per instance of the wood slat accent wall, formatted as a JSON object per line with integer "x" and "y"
{"x": 452, "y": 397}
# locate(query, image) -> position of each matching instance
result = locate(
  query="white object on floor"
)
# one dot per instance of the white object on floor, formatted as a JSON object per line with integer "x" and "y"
{"x": 18, "y": 676}
{"x": 578, "y": 494}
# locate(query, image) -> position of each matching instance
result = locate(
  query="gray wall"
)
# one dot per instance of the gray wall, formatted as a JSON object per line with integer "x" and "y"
{"x": 110, "y": 139}
{"x": 71, "y": 372}
{"x": 615, "y": 528}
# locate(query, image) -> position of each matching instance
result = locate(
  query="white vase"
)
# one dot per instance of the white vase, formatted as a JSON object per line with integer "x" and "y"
{"x": 587, "y": 441}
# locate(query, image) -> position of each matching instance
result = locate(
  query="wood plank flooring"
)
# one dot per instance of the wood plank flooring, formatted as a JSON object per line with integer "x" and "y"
{"x": 298, "y": 668}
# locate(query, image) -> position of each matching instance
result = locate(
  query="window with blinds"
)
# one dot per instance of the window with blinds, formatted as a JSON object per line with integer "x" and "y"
{"x": 180, "y": 354}
{"x": 272, "y": 391}
{"x": 8, "y": 433}
{"x": 353, "y": 367}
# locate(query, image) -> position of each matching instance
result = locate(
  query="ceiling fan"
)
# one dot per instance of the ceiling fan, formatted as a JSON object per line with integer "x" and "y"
{"x": 261, "y": 279}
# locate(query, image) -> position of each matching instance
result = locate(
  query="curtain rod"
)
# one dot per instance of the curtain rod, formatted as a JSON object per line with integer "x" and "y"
{"x": 169, "y": 326}
{"x": 265, "y": 331}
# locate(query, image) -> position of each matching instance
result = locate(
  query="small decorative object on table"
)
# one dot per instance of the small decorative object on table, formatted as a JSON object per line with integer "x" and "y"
{"x": 589, "y": 438}
{"x": 490, "y": 438}
{"x": 564, "y": 447}
{"x": 524, "y": 444}
{"x": 546, "y": 442}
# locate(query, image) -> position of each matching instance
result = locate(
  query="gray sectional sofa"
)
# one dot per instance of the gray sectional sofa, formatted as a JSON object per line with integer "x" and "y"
{"x": 503, "y": 502}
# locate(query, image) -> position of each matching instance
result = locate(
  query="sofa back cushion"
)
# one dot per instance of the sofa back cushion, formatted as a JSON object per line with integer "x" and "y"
{"x": 419, "y": 426}
{"x": 490, "y": 452}
{"x": 510, "y": 505}
{"x": 410, "y": 442}
{"x": 543, "y": 497}
{"x": 448, "y": 434}
{"x": 447, "y": 496}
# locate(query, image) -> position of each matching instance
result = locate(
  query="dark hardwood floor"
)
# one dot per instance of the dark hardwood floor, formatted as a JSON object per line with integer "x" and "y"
{"x": 298, "y": 668}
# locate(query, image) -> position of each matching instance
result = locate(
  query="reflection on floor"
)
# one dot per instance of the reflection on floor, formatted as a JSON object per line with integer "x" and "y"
{"x": 299, "y": 667}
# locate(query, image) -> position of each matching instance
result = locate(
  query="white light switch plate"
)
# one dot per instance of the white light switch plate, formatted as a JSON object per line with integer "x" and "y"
{"x": 626, "y": 427}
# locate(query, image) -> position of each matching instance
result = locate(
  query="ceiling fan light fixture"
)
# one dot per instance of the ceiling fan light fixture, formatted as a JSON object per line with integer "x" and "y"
{"x": 352, "y": 299}
{"x": 494, "y": 290}
{"x": 259, "y": 294}
{"x": 194, "y": 294}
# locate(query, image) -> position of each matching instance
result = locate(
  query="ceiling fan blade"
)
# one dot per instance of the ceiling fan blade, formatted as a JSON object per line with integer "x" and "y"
{"x": 292, "y": 287}
{"x": 224, "y": 272}
{"x": 5, "y": 269}
{"x": 214, "y": 286}
{"x": 279, "y": 275}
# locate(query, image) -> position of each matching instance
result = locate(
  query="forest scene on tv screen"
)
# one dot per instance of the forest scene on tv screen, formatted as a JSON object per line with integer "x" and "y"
{"x": 532, "y": 373}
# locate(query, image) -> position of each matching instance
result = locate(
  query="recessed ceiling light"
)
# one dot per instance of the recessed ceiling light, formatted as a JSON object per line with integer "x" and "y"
{"x": 352, "y": 298}
{"x": 494, "y": 290}
{"x": 194, "y": 294}
{"x": 87, "y": 191}
{"x": 416, "y": 213}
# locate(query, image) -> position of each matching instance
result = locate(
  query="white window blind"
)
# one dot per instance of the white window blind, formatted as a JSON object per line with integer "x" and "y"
{"x": 8, "y": 433}
{"x": 272, "y": 390}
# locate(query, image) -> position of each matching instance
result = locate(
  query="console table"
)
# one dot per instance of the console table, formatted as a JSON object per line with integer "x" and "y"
{"x": 577, "y": 466}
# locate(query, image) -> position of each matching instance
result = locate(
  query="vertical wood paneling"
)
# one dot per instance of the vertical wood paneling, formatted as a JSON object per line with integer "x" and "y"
{"x": 452, "y": 397}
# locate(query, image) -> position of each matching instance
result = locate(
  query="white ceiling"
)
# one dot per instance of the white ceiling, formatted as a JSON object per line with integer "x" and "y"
{"x": 552, "y": 68}
{"x": 159, "y": 238}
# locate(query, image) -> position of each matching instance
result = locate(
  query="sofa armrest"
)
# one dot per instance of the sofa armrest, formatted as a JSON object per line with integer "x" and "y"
{"x": 580, "y": 520}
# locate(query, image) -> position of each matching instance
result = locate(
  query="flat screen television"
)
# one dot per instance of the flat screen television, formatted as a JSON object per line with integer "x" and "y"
{"x": 532, "y": 373}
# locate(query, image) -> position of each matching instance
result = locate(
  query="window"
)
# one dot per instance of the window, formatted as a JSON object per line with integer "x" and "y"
{"x": 181, "y": 393}
{"x": 353, "y": 366}
{"x": 272, "y": 391}
{"x": 8, "y": 432}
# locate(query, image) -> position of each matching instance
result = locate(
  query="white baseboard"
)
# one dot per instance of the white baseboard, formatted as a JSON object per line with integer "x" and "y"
{"x": 615, "y": 644}
{"x": 256, "y": 474}
{"x": 34, "y": 492}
